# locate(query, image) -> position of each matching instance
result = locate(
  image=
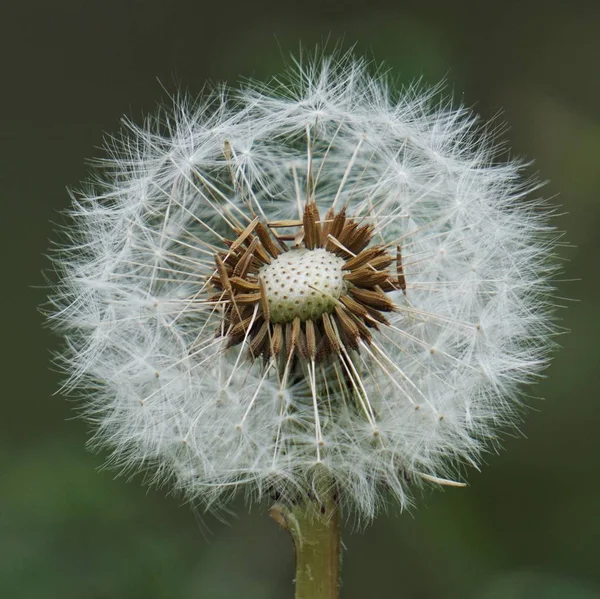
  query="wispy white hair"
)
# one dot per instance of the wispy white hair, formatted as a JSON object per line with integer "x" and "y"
{"x": 153, "y": 373}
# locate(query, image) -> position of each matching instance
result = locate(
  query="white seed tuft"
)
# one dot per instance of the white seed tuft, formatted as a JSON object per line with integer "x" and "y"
{"x": 406, "y": 377}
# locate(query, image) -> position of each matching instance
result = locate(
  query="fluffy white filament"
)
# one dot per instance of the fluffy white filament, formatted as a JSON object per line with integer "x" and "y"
{"x": 143, "y": 343}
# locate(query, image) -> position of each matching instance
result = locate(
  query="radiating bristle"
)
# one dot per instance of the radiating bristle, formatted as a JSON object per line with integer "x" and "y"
{"x": 312, "y": 277}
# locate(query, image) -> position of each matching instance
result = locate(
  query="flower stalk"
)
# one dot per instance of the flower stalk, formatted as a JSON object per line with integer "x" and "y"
{"x": 315, "y": 529}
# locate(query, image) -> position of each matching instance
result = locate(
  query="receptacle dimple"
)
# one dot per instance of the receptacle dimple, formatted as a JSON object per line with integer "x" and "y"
{"x": 304, "y": 283}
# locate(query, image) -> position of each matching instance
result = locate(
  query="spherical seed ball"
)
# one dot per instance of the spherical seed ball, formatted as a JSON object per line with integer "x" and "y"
{"x": 303, "y": 283}
{"x": 149, "y": 332}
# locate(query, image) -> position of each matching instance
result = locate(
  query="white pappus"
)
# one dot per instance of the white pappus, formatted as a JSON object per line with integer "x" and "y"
{"x": 317, "y": 277}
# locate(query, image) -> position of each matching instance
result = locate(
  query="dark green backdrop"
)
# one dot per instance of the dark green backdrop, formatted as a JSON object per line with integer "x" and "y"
{"x": 527, "y": 527}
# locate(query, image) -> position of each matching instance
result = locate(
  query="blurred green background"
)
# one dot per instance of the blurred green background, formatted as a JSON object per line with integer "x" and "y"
{"x": 527, "y": 527}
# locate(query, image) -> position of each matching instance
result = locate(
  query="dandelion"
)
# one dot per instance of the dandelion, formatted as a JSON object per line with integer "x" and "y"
{"x": 317, "y": 290}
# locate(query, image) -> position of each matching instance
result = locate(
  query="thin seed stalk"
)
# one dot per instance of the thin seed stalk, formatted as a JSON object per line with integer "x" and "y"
{"x": 315, "y": 529}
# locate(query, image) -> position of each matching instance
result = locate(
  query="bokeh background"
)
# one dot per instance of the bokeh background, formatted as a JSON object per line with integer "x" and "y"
{"x": 528, "y": 525}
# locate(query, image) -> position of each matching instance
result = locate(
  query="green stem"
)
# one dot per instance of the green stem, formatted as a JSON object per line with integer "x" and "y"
{"x": 315, "y": 530}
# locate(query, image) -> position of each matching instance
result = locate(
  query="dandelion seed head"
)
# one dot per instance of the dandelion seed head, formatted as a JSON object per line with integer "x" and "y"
{"x": 313, "y": 278}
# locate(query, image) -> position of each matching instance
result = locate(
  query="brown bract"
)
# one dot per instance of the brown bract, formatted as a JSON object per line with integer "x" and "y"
{"x": 369, "y": 271}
